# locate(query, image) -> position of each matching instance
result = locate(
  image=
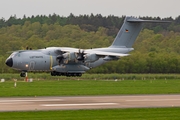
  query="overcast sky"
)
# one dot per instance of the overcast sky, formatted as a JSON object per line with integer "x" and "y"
{"x": 154, "y": 8}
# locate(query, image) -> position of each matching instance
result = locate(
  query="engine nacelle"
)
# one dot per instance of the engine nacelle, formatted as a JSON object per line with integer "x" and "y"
{"x": 91, "y": 57}
{"x": 69, "y": 56}
{"x": 109, "y": 58}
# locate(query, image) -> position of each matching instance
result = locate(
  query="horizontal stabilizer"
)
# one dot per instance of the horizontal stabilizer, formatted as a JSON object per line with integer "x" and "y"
{"x": 136, "y": 20}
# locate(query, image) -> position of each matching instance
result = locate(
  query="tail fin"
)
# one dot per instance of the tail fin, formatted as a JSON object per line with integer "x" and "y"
{"x": 129, "y": 32}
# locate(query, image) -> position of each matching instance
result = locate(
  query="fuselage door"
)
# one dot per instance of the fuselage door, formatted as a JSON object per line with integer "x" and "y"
{"x": 31, "y": 65}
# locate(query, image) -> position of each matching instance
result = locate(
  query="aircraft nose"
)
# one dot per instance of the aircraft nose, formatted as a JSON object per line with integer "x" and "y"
{"x": 9, "y": 62}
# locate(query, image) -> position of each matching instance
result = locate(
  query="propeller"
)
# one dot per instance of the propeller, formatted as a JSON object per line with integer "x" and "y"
{"x": 64, "y": 58}
{"x": 80, "y": 55}
{"x": 60, "y": 59}
{"x": 60, "y": 56}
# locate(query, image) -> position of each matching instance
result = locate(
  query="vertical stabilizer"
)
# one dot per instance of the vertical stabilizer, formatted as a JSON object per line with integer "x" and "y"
{"x": 128, "y": 33}
{"x": 130, "y": 30}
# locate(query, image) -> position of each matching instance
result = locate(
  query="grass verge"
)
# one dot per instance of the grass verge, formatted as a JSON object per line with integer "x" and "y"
{"x": 104, "y": 114}
{"x": 88, "y": 87}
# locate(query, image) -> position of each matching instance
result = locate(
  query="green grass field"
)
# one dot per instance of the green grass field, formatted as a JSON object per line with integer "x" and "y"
{"x": 104, "y": 114}
{"x": 88, "y": 87}
{"x": 47, "y": 76}
{"x": 163, "y": 84}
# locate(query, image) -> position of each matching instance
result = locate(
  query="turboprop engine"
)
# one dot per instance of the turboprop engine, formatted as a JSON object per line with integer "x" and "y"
{"x": 75, "y": 57}
{"x": 66, "y": 57}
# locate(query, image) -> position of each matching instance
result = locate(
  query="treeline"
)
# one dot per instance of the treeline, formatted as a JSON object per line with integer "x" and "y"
{"x": 86, "y": 22}
{"x": 156, "y": 48}
{"x": 92, "y": 22}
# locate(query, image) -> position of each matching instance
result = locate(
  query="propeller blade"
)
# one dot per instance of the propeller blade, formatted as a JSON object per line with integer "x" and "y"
{"x": 60, "y": 58}
{"x": 80, "y": 56}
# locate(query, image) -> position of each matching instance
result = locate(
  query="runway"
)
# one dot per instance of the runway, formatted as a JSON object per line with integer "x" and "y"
{"x": 88, "y": 102}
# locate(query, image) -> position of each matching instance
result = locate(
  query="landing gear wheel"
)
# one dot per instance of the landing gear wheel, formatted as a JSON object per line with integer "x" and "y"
{"x": 53, "y": 73}
{"x": 23, "y": 74}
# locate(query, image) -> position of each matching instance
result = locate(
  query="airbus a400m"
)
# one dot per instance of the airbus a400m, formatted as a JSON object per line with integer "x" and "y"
{"x": 68, "y": 61}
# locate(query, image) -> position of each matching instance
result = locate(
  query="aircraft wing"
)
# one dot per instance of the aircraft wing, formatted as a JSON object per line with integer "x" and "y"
{"x": 99, "y": 53}
{"x": 102, "y": 53}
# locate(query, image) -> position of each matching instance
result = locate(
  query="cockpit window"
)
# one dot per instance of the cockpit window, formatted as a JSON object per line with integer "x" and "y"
{"x": 13, "y": 54}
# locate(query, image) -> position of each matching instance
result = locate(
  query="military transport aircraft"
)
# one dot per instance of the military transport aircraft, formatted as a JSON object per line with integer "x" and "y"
{"x": 68, "y": 61}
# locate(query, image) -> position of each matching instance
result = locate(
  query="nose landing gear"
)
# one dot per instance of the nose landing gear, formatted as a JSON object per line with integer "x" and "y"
{"x": 23, "y": 74}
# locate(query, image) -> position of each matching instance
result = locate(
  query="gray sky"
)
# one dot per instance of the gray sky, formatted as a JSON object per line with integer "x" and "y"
{"x": 154, "y": 8}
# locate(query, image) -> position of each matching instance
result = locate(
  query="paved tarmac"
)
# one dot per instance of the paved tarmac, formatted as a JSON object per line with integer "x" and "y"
{"x": 88, "y": 102}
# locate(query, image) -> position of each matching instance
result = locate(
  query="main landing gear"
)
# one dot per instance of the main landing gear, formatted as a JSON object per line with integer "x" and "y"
{"x": 54, "y": 73}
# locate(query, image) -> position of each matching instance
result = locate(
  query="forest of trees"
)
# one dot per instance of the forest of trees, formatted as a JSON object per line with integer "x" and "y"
{"x": 157, "y": 48}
